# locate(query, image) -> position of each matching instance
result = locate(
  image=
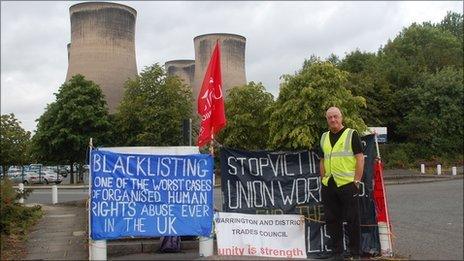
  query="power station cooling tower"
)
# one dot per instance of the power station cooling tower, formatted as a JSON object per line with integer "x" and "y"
{"x": 184, "y": 69}
{"x": 232, "y": 59}
{"x": 102, "y": 46}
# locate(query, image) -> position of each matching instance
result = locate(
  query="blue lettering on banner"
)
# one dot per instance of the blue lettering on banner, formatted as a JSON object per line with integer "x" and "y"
{"x": 150, "y": 195}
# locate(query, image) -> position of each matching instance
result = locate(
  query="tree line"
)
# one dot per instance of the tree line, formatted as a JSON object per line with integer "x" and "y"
{"x": 413, "y": 85}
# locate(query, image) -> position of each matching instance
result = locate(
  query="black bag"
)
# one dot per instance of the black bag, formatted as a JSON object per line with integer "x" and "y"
{"x": 170, "y": 244}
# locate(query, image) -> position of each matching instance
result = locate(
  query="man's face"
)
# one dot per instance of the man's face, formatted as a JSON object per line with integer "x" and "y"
{"x": 334, "y": 119}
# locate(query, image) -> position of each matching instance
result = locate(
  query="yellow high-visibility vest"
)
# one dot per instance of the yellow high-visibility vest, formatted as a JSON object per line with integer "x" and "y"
{"x": 339, "y": 161}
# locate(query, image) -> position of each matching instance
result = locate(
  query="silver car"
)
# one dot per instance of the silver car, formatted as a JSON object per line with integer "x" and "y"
{"x": 33, "y": 177}
{"x": 45, "y": 176}
{"x": 27, "y": 178}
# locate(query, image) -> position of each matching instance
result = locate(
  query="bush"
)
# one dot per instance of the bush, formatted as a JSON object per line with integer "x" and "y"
{"x": 15, "y": 219}
{"x": 396, "y": 155}
{"x": 411, "y": 155}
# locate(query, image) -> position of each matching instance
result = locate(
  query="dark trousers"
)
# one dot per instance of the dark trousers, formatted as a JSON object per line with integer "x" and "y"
{"x": 341, "y": 203}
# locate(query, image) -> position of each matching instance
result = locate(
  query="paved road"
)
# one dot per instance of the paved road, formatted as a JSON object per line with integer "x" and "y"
{"x": 427, "y": 220}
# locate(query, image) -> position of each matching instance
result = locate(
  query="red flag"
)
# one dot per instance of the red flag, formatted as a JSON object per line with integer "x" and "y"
{"x": 211, "y": 101}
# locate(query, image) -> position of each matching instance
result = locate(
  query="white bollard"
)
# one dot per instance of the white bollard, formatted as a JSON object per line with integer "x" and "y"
{"x": 454, "y": 171}
{"x": 206, "y": 246}
{"x": 21, "y": 190}
{"x": 385, "y": 240}
{"x": 422, "y": 168}
{"x": 438, "y": 169}
{"x": 54, "y": 194}
{"x": 97, "y": 250}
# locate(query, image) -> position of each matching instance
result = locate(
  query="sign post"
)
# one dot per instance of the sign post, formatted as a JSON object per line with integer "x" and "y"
{"x": 97, "y": 248}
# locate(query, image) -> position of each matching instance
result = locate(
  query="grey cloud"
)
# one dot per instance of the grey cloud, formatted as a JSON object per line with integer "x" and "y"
{"x": 280, "y": 35}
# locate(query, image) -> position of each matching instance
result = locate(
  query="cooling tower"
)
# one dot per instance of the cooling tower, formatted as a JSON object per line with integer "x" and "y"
{"x": 232, "y": 59}
{"x": 184, "y": 69}
{"x": 103, "y": 46}
{"x": 68, "y": 48}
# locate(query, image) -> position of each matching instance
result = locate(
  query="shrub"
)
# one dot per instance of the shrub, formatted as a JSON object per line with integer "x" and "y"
{"x": 398, "y": 155}
{"x": 15, "y": 218}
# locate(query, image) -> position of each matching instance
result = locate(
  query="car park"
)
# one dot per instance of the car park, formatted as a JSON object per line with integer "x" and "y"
{"x": 34, "y": 177}
{"x": 35, "y": 174}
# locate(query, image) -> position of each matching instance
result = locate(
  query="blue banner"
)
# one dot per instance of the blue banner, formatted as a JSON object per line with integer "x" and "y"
{"x": 134, "y": 195}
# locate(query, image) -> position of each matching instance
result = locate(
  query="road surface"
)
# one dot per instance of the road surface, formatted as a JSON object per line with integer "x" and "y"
{"x": 427, "y": 220}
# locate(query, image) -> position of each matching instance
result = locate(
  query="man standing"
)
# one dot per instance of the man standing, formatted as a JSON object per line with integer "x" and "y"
{"x": 341, "y": 167}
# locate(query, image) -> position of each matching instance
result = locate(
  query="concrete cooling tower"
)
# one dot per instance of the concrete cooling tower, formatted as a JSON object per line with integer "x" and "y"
{"x": 232, "y": 59}
{"x": 184, "y": 69}
{"x": 102, "y": 46}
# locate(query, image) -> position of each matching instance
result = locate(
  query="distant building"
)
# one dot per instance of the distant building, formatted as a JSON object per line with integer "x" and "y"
{"x": 102, "y": 46}
{"x": 232, "y": 60}
{"x": 184, "y": 69}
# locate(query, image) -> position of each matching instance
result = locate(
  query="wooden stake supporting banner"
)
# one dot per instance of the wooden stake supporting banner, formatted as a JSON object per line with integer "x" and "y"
{"x": 97, "y": 248}
{"x": 383, "y": 219}
{"x": 206, "y": 244}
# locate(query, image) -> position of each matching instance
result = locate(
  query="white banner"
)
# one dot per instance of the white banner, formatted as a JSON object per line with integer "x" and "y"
{"x": 260, "y": 235}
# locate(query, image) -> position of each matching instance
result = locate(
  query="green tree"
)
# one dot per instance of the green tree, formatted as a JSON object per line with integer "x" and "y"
{"x": 333, "y": 58}
{"x": 366, "y": 79}
{"x": 435, "y": 122}
{"x": 426, "y": 48}
{"x": 453, "y": 22}
{"x": 298, "y": 117}
{"x": 14, "y": 142}
{"x": 65, "y": 128}
{"x": 247, "y": 112}
{"x": 152, "y": 109}
{"x": 418, "y": 49}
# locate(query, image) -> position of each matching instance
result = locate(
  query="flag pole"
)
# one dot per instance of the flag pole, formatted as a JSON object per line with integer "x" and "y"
{"x": 211, "y": 152}
{"x": 211, "y": 108}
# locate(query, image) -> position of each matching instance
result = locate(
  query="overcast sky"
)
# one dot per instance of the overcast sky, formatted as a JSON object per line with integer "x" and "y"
{"x": 280, "y": 35}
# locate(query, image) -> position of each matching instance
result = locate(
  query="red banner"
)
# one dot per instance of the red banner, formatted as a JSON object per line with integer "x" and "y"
{"x": 211, "y": 100}
{"x": 379, "y": 193}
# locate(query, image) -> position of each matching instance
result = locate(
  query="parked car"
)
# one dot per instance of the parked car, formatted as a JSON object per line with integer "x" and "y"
{"x": 63, "y": 170}
{"x": 34, "y": 177}
{"x": 46, "y": 176}
{"x": 27, "y": 178}
{"x": 34, "y": 167}
{"x": 14, "y": 169}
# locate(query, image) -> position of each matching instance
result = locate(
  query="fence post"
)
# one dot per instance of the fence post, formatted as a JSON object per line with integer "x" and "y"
{"x": 21, "y": 190}
{"x": 206, "y": 246}
{"x": 453, "y": 171}
{"x": 54, "y": 194}
{"x": 385, "y": 239}
{"x": 422, "y": 168}
{"x": 438, "y": 169}
{"x": 97, "y": 250}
